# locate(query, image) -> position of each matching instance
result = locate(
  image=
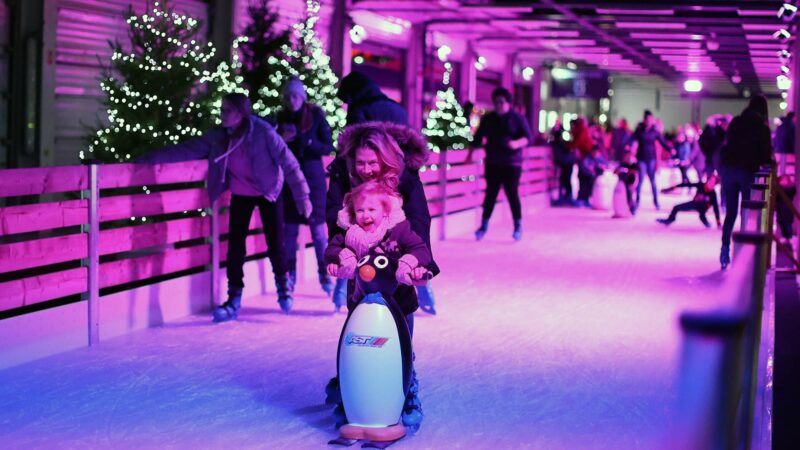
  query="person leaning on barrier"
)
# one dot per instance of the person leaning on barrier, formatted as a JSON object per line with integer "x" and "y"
{"x": 747, "y": 147}
{"x": 246, "y": 155}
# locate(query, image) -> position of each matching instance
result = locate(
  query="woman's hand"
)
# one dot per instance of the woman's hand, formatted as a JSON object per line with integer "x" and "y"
{"x": 418, "y": 273}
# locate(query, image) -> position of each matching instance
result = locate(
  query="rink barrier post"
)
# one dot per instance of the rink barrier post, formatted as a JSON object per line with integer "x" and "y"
{"x": 214, "y": 242}
{"x": 443, "y": 168}
{"x": 93, "y": 254}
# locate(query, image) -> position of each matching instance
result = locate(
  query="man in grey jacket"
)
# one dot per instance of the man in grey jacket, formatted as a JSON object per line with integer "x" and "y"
{"x": 246, "y": 155}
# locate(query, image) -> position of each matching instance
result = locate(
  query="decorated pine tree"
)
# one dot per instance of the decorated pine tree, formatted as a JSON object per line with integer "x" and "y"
{"x": 305, "y": 58}
{"x": 446, "y": 127}
{"x": 312, "y": 65}
{"x": 257, "y": 56}
{"x": 163, "y": 90}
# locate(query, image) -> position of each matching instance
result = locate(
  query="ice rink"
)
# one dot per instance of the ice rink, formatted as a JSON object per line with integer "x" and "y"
{"x": 565, "y": 340}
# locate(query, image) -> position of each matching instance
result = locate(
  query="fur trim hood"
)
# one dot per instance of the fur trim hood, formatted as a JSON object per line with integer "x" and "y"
{"x": 412, "y": 143}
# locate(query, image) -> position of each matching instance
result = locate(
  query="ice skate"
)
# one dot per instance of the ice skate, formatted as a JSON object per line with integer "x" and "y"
{"x": 285, "y": 299}
{"x": 230, "y": 309}
{"x": 517, "y": 235}
{"x": 326, "y": 284}
{"x": 481, "y": 232}
{"x": 724, "y": 257}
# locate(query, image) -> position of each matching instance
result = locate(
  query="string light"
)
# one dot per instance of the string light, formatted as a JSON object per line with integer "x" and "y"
{"x": 306, "y": 59}
{"x": 147, "y": 107}
{"x": 446, "y": 126}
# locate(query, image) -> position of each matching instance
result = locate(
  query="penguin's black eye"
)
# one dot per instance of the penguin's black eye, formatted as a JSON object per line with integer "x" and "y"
{"x": 381, "y": 262}
{"x": 363, "y": 261}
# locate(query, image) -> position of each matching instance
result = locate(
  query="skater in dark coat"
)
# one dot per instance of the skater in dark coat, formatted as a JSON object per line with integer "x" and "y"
{"x": 747, "y": 147}
{"x": 643, "y": 142}
{"x": 366, "y": 102}
{"x": 565, "y": 159}
{"x": 306, "y": 131}
{"x": 506, "y": 133}
{"x": 247, "y": 156}
{"x": 704, "y": 198}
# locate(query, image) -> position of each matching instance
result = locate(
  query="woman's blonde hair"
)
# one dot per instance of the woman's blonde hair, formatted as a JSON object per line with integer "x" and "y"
{"x": 373, "y": 136}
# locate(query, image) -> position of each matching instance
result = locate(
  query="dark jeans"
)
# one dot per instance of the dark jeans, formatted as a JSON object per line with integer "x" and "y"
{"x": 684, "y": 173}
{"x": 565, "y": 182}
{"x": 734, "y": 182}
{"x": 700, "y": 207}
{"x": 508, "y": 178}
{"x": 586, "y": 185}
{"x": 272, "y": 219}
{"x": 648, "y": 168}
{"x": 318, "y": 237}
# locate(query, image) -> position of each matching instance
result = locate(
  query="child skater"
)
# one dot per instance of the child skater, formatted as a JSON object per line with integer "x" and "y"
{"x": 704, "y": 198}
{"x": 373, "y": 218}
{"x": 625, "y": 191}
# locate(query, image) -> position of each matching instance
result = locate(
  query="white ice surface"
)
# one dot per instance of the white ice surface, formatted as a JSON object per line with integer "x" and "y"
{"x": 566, "y": 340}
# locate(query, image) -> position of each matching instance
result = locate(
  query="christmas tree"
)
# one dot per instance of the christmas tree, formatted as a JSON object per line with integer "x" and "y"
{"x": 304, "y": 58}
{"x": 255, "y": 56}
{"x": 447, "y": 128}
{"x": 163, "y": 91}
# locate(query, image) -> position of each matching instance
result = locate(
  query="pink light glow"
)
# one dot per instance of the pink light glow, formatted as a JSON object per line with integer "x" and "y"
{"x": 651, "y": 25}
{"x": 690, "y": 45}
{"x": 761, "y": 26}
{"x": 763, "y": 53}
{"x": 774, "y": 45}
{"x": 756, "y": 13}
{"x": 68, "y": 90}
{"x": 675, "y": 36}
{"x": 635, "y": 12}
{"x": 525, "y": 24}
{"x": 569, "y": 43}
{"x": 590, "y": 50}
{"x": 677, "y": 51}
{"x": 549, "y": 34}
{"x": 759, "y": 37}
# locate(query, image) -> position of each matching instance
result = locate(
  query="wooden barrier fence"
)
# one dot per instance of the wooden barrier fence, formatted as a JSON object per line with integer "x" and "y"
{"x": 155, "y": 220}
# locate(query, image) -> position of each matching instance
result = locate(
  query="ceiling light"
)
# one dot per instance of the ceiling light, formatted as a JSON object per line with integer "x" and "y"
{"x": 782, "y": 34}
{"x": 693, "y": 85}
{"x": 358, "y": 34}
{"x": 443, "y": 52}
{"x": 787, "y": 11}
{"x": 527, "y": 73}
{"x": 784, "y": 83}
{"x": 736, "y": 78}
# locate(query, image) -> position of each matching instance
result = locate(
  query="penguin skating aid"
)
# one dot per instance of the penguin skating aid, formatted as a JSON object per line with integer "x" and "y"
{"x": 374, "y": 359}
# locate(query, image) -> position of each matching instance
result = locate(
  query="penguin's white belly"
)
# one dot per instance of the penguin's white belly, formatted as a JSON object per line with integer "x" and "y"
{"x": 371, "y": 367}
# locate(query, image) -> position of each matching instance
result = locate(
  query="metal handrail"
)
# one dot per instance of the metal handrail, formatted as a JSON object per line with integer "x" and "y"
{"x": 717, "y": 385}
